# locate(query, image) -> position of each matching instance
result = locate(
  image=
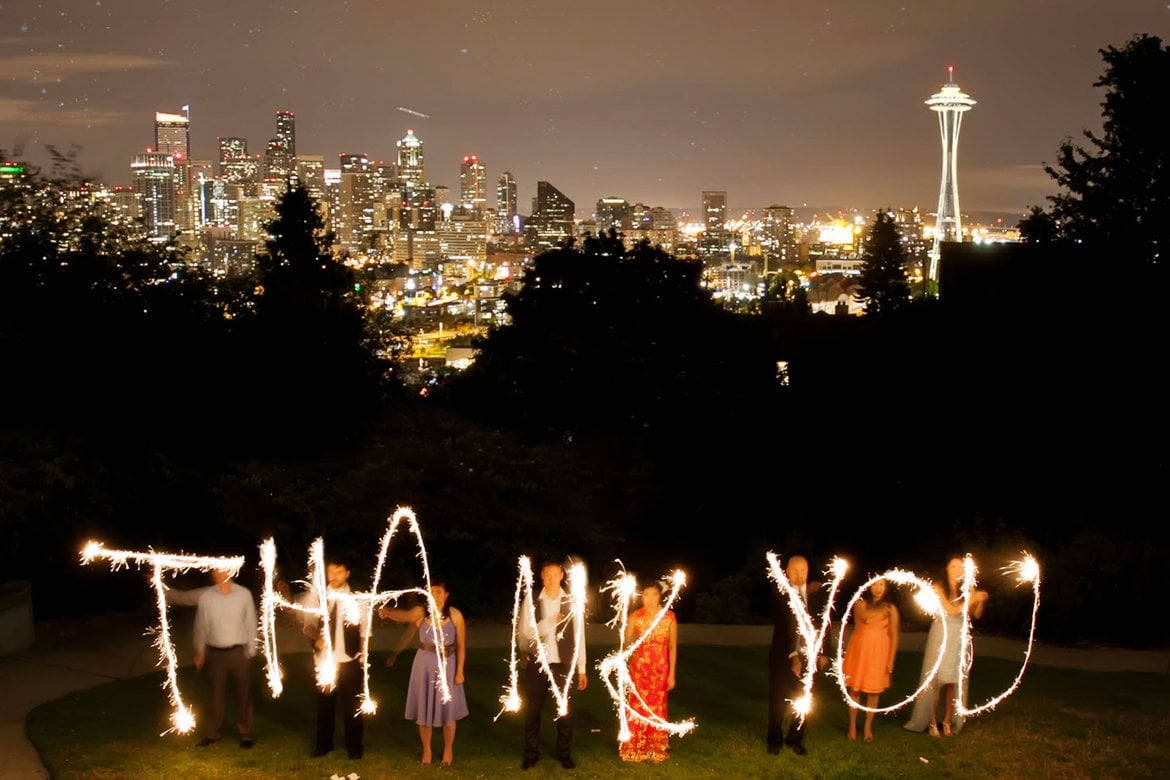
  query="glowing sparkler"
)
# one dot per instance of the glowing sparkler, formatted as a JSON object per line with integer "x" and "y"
{"x": 524, "y": 611}
{"x": 354, "y": 607}
{"x": 812, "y": 638}
{"x": 1027, "y": 570}
{"x": 182, "y": 719}
{"x": 927, "y": 598}
{"x": 617, "y": 664}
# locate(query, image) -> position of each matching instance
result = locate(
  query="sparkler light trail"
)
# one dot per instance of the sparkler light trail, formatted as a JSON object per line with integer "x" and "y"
{"x": 927, "y": 599}
{"x": 812, "y": 638}
{"x": 355, "y": 608}
{"x": 1026, "y": 570}
{"x": 617, "y": 664}
{"x": 524, "y": 608}
{"x": 182, "y": 719}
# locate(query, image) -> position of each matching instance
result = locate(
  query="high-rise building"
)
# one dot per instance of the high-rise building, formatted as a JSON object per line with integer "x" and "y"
{"x": 553, "y": 215}
{"x": 714, "y": 221}
{"x": 778, "y": 241}
{"x": 473, "y": 184}
{"x": 235, "y": 166}
{"x": 410, "y": 161}
{"x": 613, "y": 213}
{"x": 506, "y": 209}
{"x": 950, "y": 103}
{"x": 352, "y": 209}
{"x": 172, "y": 134}
{"x": 286, "y": 132}
{"x": 311, "y": 174}
{"x": 154, "y": 184}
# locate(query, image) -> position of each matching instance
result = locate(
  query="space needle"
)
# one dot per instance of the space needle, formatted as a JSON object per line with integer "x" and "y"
{"x": 949, "y": 103}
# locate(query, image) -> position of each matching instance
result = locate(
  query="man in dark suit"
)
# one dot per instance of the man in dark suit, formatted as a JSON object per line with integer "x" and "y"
{"x": 556, "y": 632}
{"x": 346, "y": 640}
{"x": 786, "y": 658}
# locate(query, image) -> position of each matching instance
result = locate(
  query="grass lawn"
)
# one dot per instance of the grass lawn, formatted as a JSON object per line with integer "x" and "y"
{"x": 1059, "y": 724}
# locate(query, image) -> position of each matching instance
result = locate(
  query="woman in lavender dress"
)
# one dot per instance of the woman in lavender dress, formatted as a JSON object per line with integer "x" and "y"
{"x": 424, "y": 704}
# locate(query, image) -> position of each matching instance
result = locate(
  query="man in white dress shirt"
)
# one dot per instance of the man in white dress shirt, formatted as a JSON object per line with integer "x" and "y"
{"x": 225, "y": 644}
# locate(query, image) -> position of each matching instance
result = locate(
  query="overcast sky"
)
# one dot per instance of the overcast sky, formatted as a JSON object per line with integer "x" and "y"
{"x": 804, "y": 104}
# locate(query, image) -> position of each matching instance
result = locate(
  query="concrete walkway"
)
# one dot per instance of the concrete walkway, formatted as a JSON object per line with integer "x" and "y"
{"x": 72, "y": 655}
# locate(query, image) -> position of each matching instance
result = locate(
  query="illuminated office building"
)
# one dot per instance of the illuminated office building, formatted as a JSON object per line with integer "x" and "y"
{"x": 553, "y": 215}
{"x": 714, "y": 221}
{"x": 410, "y": 161}
{"x": 778, "y": 240}
{"x": 236, "y": 166}
{"x": 286, "y": 132}
{"x": 352, "y": 207}
{"x": 154, "y": 183}
{"x": 473, "y": 184}
{"x": 172, "y": 134}
{"x": 311, "y": 174}
{"x": 506, "y": 204}
{"x": 613, "y": 213}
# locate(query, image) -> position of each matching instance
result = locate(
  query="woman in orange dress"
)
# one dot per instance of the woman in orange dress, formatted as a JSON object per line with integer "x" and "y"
{"x": 869, "y": 658}
{"x": 652, "y": 672}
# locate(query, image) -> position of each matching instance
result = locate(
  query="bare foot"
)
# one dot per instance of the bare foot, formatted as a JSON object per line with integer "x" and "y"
{"x": 868, "y": 735}
{"x": 852, "y": 734}
{"x": 426, "y": 759}
{"x": 448, "y": 757}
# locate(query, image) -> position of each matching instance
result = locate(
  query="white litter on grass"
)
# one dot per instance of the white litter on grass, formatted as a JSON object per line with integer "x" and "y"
{"x": 924, "y": 759}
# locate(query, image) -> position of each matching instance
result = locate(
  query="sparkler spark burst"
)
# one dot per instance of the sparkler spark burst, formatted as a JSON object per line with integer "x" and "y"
{"x": 812, "y": 639}
{"x": 615, "y": 667}
{"x": 354, "y": 607}
{"x": 182, "y": 719}
{"x": 524, "y": 609}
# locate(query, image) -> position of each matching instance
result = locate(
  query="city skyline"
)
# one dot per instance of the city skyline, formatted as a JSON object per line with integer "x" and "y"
{"x": 806, "y": 107}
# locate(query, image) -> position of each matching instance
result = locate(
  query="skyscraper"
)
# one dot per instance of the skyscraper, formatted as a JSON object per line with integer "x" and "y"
{"x": 473, "y": 184}
{"x": 714, "y": 221}
{"x": 949, "y": 103}
{"x": 506, "y": 203}
{"x": 552, "y": 218}
{"x": 410, "y": 161}
{"x": 286, "y": 132}
{"x": 172, "y": 134}
{"x": 154, "y": 184}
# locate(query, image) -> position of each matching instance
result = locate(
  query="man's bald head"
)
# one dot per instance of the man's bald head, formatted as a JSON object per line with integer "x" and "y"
{"x": 797, "y": 571}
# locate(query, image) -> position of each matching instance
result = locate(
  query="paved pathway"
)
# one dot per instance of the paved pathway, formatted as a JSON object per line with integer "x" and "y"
{"x": 73, "y": 655}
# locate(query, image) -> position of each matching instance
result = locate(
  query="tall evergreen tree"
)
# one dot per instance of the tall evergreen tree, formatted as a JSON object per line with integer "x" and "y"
{"x": 1116, "y": 189}
{"x": 884, "y": 286}
{"x": 312, "y": 359}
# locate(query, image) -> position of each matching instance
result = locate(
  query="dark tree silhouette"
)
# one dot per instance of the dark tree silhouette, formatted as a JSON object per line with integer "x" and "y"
{"x": 605, "y": 338}
{"x": 884, "y": 287}
{"x": 312, "y": 363}
{"x": 1116, "y": 190}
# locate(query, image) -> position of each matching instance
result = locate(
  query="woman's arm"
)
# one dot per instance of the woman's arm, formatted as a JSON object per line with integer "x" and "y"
{"x": 673, "y": 654}
{"x": 403, "y": 641}
{"x": 398, "y": 615}
{"x": 978, "y": 599}
{"x": 460, "y": 644}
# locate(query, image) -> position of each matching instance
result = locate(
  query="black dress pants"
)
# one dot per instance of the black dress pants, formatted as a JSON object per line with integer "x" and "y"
{"x": 536, "y": 695}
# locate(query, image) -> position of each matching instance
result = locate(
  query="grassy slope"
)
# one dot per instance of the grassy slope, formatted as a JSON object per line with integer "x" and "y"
{"x": 1060, "y": 723}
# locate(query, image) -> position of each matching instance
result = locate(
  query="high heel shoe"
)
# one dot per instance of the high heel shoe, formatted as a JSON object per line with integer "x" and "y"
{"x": 932, "y": 729}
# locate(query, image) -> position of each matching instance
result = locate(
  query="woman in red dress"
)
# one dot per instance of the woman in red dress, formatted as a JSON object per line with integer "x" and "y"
{"x": 652, "y": 672}
{"x": 869, "y": 658}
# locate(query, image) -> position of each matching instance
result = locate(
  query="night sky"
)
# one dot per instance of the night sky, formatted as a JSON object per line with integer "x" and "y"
{"x": 810, "y": 105}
